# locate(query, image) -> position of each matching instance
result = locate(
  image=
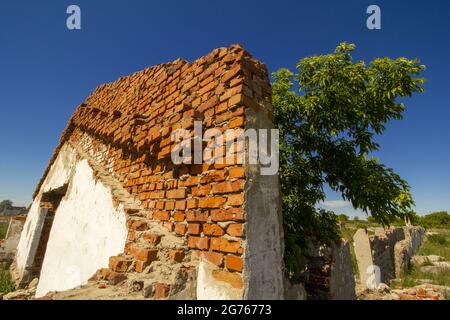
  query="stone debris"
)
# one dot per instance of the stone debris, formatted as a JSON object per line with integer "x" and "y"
{"x": 420, "y": 292}
{"x": 33, "y": 284}
{"x": 431, "y": 264}
{"x": 23, "y": 294}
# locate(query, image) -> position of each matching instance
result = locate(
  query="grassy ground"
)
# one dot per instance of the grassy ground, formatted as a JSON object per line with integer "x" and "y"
{"x": 438, "y": 244}
{"x": 3, "y": 229}
{"x": 6, "y": 285}
{"x": 347, "y": 232}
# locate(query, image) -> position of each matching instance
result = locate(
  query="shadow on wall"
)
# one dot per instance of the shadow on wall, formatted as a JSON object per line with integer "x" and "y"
{"x": 329, "y": 274}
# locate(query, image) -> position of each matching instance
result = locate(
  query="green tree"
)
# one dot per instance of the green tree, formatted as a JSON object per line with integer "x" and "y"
{"x": 436, "y": 220}
{"x": 328, "y": 114}
{"x": 5, "y": 204}
{"x": 342, "y": 217}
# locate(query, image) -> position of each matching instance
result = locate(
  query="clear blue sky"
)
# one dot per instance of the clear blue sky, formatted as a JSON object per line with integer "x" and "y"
{"x": 47, "y": 70}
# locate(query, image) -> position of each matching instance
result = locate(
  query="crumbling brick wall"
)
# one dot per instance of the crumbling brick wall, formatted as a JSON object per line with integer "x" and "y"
{"x": 125, "y": 127}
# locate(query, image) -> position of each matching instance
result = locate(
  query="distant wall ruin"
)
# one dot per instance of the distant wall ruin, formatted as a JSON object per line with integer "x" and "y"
{"x": 385, "y": 254}
{"x": 127, "y": 207}
{"x": 8, "y": 245}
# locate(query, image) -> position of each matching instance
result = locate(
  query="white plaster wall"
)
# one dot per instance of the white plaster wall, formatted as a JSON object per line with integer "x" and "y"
{"x": 208, "y": 288}
{"x": 86, "y": 231}
{"x": 58, "y": 175}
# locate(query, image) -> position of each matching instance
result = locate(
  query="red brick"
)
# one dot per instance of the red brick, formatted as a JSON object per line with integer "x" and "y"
{"x": 209, "y": 104}
{"x": 211, "y": 229}
{"x": 233, "y": 263}
{"x": 179, "y": 216}
{"x": 177, "y": 255}
{"x": 119, "y": 264}
{"x": 213, "y": 257}
{"x": 139, "y": 225}
{"x": 189, "y": 85}
{"x": 236, "y": 122}
{"x": 235, "y": 229}
{"x": 235, "y": 199}
{"x": 198, "y": 243}
{"x": 194, "y": 228}
{"x": 235, "y": 100}
{"x": 201, "y": 191}
{"x": 191, "y": 181}
{"x": 145, "y": 255}
{"x": 153, "y": 238}
{"x": 236, "y": 172}
{"x": 161, "y": 215}
{"x": 231, "y": 214}
{"x": 180, "y": 229}
{"x": 156, "y": 195}
{"x": 227, "y": 187}
{"x": 160, "y": 205}
{"x": 140, "y": 266}
{"x": 131, "y": 235}
{"x": 191, "y": 203}
{"x": 224, "y": 245}
{"x": 197, "y": 216}
{"x": 229, "y": 115}
{"x": 170, "y": 205}
{"x": 102, "y": 286}
{"x": 180, "y": 205}
{"x": 211, "y": 202}
{"x": 161, "y": 290}
{"x": 230, "y": 74}
{"x": 214, "y": 176}
{"x": 104, "y": 273}
{"x": 223, "y": 106}
{"x": 176, "y": 194}
{"x": 208, "y": 87}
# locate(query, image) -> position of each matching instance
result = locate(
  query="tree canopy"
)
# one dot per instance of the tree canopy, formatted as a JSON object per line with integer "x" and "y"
{"x": 435, "y": 220}
{"x": 5, "y": 204}
{"x": 329, "y": 112}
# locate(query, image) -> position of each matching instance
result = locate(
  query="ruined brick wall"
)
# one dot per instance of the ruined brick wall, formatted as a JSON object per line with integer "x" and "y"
{"x": 405, "y": 249}
{"x": 125, "y": 127}
{"x": 388, "y": 249}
